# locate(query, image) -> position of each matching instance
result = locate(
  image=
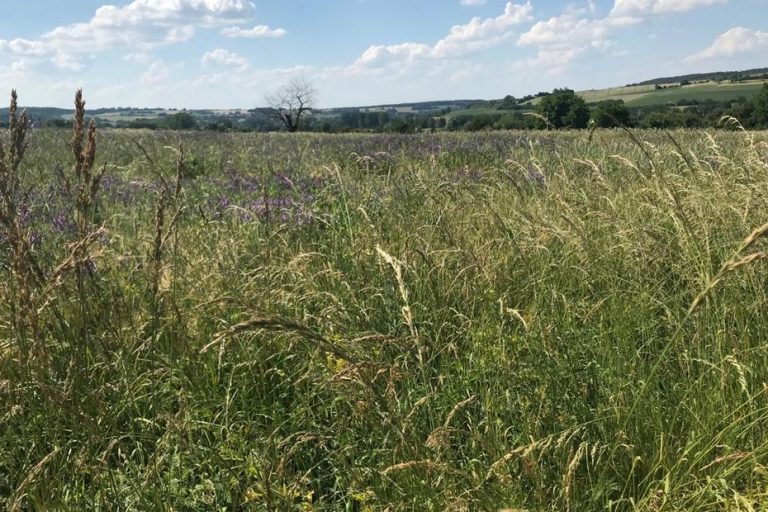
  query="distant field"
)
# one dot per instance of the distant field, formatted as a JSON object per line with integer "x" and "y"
{"x": 129, "y": 116}
{"x": 701, "y": 92}
{"x": 647, "y": 95}
{"x": 478, "y": 111}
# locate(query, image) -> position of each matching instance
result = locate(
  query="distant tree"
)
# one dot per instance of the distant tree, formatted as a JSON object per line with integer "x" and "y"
{"x": 611, "y": 114}
{"x": 508, "y": 103}
{"x": 480, "y": 122}
{"x": 742, "y": 109}
{"x": 400, "y": 125}
{"x": 564, "y": 109}
{"x": 760, "y": 108}
{"x": 219, "y": 125}
{"x": 656, "y": 120}
{"x": 58, "y": 122}
{"x": 150, "y": 124}
{"x": 292, "y": 103}
{"x": 180, "y": 121}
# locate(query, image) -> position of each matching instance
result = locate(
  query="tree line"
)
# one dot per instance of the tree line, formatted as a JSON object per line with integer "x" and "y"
{"x": 559, "y": 109}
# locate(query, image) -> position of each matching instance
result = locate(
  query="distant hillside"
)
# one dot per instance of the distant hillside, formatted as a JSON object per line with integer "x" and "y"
{"x": 125, "y": 116}
{"x": 678, "y": 91}
{"x": 39, "y": 113}
{"x": 42, "y": 114}
{"x": 718, "y": 76}
{"x": 414, "y": 108}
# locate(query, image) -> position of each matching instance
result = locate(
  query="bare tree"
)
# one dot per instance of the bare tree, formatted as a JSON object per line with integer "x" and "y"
{"x": 292, "y": 102}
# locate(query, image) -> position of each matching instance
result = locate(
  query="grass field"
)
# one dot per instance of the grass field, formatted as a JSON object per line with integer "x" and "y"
{"x": 647, "y": 95}
{"x": 537, "y": 321}
{"x": 699, "y": 92}
{"x": 477, "y": 111}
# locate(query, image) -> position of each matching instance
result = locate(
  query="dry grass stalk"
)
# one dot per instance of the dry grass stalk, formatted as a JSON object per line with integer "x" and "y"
{"x": 728, "y": 458}
{"x": 20, "y": 494}
{"x": 570, "y": 472}
{"x": 427, "y": 464}
{"x": 72, "y": 261}
{"x": 456, "y": 408}
{"x": 170, "y": 195}
{"x": 87, "y": 181}
{"x": 157, "y": 248}
{"x": 736, "y": 261}
{"x": 33, "y": 287}
{"x": 522, "y": 452}
{"x": 440, "y": 437}
{"x": 280, "y": 324}
{"x": 397, "y": 267}
{"x": 22, "y": 262}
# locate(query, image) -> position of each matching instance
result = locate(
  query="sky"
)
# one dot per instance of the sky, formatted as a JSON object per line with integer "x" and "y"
{"x": 234, "y": 53}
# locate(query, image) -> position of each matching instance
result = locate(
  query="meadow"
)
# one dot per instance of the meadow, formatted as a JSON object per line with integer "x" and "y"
{"x": 672, "y": 93}
{"x": 504, "y": 320}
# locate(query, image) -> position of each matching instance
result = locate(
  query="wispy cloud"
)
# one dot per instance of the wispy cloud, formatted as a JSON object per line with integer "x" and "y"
{"x": 139, "y": 25}
{"x": 561, "y": 39}
{"x": 226, "y": 58}
{"x": 645, "y": 7}
{"x": 477, "y": 34}
{"x": 255, "y": 32}
{"x": 738, "y": 40}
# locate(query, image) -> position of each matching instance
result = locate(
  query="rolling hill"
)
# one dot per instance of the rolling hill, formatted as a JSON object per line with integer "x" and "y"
{"x": 675, "y": 93}
{"x": 719, "y": 86}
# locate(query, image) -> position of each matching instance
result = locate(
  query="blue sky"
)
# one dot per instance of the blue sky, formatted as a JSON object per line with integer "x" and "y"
{"x": 233, "y": 53}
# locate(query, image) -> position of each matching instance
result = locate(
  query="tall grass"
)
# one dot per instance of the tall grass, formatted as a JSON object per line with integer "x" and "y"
{"x": 530, "y": 321}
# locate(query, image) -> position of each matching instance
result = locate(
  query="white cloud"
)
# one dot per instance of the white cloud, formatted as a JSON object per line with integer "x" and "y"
{"x": 179, "y": 34}
{"x": 735, "y": 41}
{"x": 462, "y": 39}
{"x": 482, "y": 33}
{"x": 567, "y": 31}
{"x": 257, "y": 31}
{"x": 641, "y": 7}
{"x": 139, "y": 12}
{"x": 226, "y": 58}
{"x": 160, "y": 77}
{"x": 23, "y": 47}
{"x": 563, "y": 38}
{"x": 472, "y": 2}
{"x": 67, "y": 62}
{"x": 141, "y": 24}
{"x": 553, "y": 61}
{"x": 158, "y": 73}
{"x": 137, "y": 57}
{"x": 19, "y": 66}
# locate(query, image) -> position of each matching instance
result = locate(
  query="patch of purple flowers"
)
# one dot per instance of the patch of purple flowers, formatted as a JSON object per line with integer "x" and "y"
{"x": 535, "y": 177}
{"x": 286, "y": 199}
{"x": 467, "y": 174}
